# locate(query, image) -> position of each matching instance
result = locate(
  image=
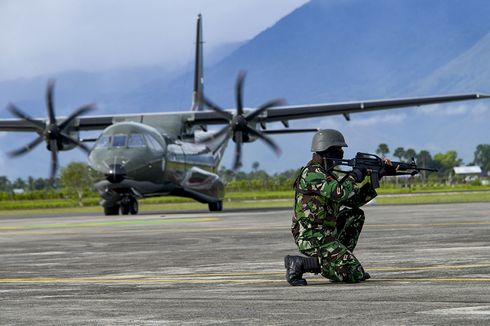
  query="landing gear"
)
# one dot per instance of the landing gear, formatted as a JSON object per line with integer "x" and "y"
{"x": 217, "y": 206}
{"x": 111, "y": 210}
{"x": 129, "y": 205}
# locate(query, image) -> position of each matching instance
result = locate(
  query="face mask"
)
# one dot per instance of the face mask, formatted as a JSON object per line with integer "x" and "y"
{"x": 335, "y": 152}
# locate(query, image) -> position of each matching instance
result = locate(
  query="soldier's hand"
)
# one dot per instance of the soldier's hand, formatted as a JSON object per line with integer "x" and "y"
{"x": 389, "y": 169}
{"x": 357, "y": 174}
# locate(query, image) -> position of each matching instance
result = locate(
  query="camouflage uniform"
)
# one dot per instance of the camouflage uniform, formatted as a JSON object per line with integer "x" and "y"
{"x": 327, "y": 220}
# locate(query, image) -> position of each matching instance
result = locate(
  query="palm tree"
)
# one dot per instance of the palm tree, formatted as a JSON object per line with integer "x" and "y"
{"x": 410, "y": 154}
{"x": 399, "y": 153}
{"x": 382, "y": 150}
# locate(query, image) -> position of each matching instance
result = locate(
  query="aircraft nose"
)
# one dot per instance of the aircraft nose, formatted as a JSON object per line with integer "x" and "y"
{"x": 116, "y": 173}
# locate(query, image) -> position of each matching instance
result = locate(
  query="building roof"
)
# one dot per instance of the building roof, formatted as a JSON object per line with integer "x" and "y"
{"x": 467, "y": 170}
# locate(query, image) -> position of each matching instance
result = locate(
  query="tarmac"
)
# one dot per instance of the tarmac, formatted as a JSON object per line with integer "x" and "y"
{"x": 430, "y": 265}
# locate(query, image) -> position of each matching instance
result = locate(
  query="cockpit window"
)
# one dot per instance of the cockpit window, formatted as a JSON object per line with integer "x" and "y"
{"x": 103, "y": 142}
{"x": 153, "y": 143}
{"x": 136, "y": 140}
{"x": 119, "y": 141}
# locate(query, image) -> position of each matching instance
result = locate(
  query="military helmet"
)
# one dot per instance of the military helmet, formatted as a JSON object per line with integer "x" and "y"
{"x": 326, "y": 138}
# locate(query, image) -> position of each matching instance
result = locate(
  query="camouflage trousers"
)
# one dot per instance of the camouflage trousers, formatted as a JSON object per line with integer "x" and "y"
{"x": 334, "y": 250}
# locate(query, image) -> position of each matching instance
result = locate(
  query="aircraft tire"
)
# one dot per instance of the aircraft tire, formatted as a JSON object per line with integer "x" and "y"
{"x": 216, "y": 206}
{"x": 111, "y": 210}
{"x": 125, "y": 208}
{"x": 133, "y": 206}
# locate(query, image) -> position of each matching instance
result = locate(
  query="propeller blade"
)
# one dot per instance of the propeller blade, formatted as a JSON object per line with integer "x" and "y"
{"x": 225, "y": 129}
{"x": 26, "y": 148}
{"x": 54, "y": 159}
{"x": 263, "y": 108}
{"x": 266, "y": 139}
{"x": 74, "y": 141}
{"x": 237, "y": 162}
{"x": 39, "y": 126}
{"x": 80, "y": 111}
{"x": 49, "y": 102}
{"x": 238, "y": 92}
{"x": 228, "y": 116}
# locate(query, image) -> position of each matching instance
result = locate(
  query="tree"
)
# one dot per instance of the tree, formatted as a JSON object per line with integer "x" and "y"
{"x": 19, "y": 183}
{"x": 399, "y": 153}
{"x": 40, "y": 184}
{"x": 5, "y": 184}
{"x": 445, "y": 162}
{"x": 75, "y": 178}
{"x": 424, "y": 160}
{"x": 382, "y": 150}
{"x": 409, "y": 154}
{"x": 30, "y": 183}
{"x": 482, "y": 156}
{"x": 255, "y": 166}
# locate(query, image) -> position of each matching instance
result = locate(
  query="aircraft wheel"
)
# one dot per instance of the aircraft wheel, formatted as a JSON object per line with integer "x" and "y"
{"x": 125, "y": 208}
{"x": 133, "y": 206}
{"x": 216, "y": 206}
{"x": 111, "y": 210}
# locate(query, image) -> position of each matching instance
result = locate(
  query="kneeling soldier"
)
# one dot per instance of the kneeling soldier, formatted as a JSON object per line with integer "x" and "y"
{"x": 327, "y": 219}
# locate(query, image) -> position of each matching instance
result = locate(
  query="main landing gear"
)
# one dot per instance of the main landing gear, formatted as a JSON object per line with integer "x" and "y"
{"x": 127, "y": 205}
{"x": 217, "y": 206}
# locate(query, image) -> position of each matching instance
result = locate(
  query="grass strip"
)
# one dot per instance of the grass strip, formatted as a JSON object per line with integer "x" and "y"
{"x": 243, "y": 200}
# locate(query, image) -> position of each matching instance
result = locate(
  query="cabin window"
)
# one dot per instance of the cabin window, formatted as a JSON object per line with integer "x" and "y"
{"x": 119, "y": 141}
{"x": 136, "y": 140}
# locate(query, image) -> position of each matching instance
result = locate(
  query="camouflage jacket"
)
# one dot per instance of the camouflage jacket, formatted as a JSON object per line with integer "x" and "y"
{"x": 319, "y": 197}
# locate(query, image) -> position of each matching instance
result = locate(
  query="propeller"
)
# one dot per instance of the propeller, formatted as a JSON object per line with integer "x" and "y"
{"x": 238, "y": 124}
{"x": 51, "y": 132}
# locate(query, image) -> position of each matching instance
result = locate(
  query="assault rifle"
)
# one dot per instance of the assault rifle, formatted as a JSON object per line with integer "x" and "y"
{"x": 376, "y": 167}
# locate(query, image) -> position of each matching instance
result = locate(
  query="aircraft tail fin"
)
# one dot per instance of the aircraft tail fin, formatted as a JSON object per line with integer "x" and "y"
{"x": 198, "y": 69}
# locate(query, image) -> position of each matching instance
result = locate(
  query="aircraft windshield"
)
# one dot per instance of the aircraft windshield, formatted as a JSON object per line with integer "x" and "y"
{"x": 130, "y": 141}
{"x": 104, "y": 142}
{"x": 136, "y": 140}
{"x": 119, "y": 141}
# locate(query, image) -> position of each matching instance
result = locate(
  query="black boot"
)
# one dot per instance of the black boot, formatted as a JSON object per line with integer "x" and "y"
{"x": 297, "y": 265}
{"x": 366, "y": 276}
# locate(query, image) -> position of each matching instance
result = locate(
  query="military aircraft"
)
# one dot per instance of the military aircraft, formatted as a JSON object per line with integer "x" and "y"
{"x": 172, "y": 153}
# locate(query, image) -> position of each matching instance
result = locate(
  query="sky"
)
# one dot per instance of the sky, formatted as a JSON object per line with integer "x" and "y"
{"x": 49, "y": 36}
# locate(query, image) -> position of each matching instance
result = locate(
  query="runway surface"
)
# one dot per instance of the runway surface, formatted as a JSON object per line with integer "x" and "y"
{"x": 430, "y": 265}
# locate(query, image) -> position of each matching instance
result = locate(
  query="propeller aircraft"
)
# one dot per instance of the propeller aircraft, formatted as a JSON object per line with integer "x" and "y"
{"x": 171, "y": 153}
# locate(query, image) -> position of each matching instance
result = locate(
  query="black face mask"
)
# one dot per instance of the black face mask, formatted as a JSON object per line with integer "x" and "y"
{"x": 331, "y": 153}
{"x": 335, "y": 152}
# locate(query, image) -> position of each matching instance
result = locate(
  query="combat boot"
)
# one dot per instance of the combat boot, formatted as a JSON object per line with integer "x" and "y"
{"x": 297, "y": 265}
{"x": 366, "y": 276}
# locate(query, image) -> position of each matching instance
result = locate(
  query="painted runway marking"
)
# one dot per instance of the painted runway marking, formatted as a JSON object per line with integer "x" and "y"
{"x": 238, "y": 277}
{"x": 109, "y": 223}
{"x": 218, "y": 280}
{"x": 477, "y": 310}
{"x": 24, "y": 229}
{"x": 416, "y": 225}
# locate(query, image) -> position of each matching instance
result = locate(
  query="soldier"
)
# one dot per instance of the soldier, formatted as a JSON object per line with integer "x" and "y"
{"x": 327, "y": 219}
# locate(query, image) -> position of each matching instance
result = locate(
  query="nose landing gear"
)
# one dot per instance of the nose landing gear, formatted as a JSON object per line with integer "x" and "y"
{"x": 129, "y": 205}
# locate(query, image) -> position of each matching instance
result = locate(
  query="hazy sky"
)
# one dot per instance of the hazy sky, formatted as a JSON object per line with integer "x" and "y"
{"x": 46, "y": 36}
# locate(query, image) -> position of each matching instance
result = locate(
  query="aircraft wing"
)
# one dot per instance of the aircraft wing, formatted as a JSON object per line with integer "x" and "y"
{"x": 285, "y": 113}
{"x": 279, "y": 113}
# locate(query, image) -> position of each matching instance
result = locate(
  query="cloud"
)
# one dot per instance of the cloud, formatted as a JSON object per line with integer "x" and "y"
{"x": 477, "y": 109}
{"x": 48, "y": 36}
{"x": 391, "y": 119}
